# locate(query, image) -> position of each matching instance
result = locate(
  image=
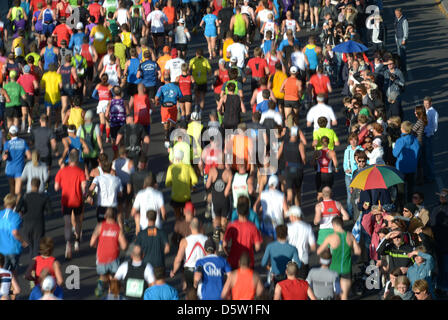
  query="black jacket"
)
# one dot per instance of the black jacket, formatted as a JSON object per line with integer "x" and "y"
{"x": 397, "y": 257}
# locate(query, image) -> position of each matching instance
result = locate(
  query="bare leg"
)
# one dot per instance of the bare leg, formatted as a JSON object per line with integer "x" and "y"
{"x": 345, "y": 287}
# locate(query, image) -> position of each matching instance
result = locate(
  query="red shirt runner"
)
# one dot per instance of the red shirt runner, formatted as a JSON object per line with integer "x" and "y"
{"x": 257, "y": 66}
{"x": 294, "y": 289}
{"x": 108, "y": 249}
{"x": 69, "y": 179}
{"x": 141, "y": 110}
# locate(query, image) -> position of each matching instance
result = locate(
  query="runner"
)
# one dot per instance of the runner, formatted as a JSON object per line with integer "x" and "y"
{"x": 324, "y": 282}
{"x": 200, "y": 67}
{"x": 293, "y": 288}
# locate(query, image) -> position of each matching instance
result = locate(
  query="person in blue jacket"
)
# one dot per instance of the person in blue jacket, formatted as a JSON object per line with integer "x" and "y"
{"x": 423, "y": 267}
{"x": 406, "y": 151}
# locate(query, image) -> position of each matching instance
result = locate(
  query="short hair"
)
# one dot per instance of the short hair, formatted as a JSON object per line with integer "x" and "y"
{"x": 266, "y": 94}
{"x": 406, "y": 126}
{"x": 77, "y": 101}
{"x": 149, "y": 180}
{"x": 353, "y": 136}
{"x": 326, "y": 254}
{"x": 106, "y": 166}
{"x": 243, "y": 206}
{"x": 325, "y": 140}
{"x": 151, "y": 215}
{"x": 73, "y": 157}
{"x": 109, "y": 213}
{"x": 337, "y": 221}
{"x": 396, "y": 272}
{"x": 159, "y": 273}
{"x": 231, "y": 87}
{"x": 378, "y": 127}
{"x": 9, "y": 200}
{"x": 427, "y": 98}
{"x": 271, "y": 105}
{"x": 362, "y": 118}
{"x": 403, "y": 280}
{"x": 257, "y": 51}
{"x": 281, "y": 231}
{"x": 292, "y": 268}
{"x": 420, "y": 285}
{"x": 322, "y": 122}
{"x": 46, "y": 246}
{"x": 35, "y": 182}
{"x": 244, "y": 259}
{"x": 361, "y": 154}
{"x": 194, "y": 224}
{"x": 326, "y": 191}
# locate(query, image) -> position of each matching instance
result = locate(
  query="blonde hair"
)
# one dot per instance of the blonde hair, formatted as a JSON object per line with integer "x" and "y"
{"x": 403, "y": 280}
{"x": 420, "y": 285}
{"x": 406, "y": 126}
{"x": 9, "y": 200}
{"x": 395, "y": 120}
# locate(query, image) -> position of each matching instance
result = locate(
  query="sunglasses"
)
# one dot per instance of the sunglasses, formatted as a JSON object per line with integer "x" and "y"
{"x": 362, "y": 161}
{"x": 417, "y": 292}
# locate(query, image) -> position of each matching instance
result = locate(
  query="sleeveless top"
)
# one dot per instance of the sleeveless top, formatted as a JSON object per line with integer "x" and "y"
{"x": 66, "y": 75}
{"x": 232, "y": 110}
{"x": 44, "y": 263}
{"x": 75, "y": 117}
{"x": 111, "y": 71}
{"x": 211, "y": 160}
{"x": 132, "y": 70}
{"x": 239, "y": 27}
{"x": 324, "y": 163}
{"x": 239, "y": 187}
{"x": 117, "y": 113}
{"x": 185, "y": 85}
{"x": 75, "y": 143}
{"x": 277, "y": 80}
{"x": 311, "y": 54}
{"x": 341, "y": 260}
{"x": 269, "y": 25}
{"x": 272, "y": 60}
{"x": 291, "y": 89}
{"x": 218, "y": 188}
{"x": 294, "y": 289}
{"x": 292, "y": 155}
{"x": 108, "y": 249}
{"x": 194, "y": 250}
{"x": 290, "y": 25}
{"x": 330, "y": 210}
{"x": 49, "y": 58}
{"x": 104, "y": 93}
{"x": 223, "y": 77}
{"x": 87, "y": 54}
{"x": 244, "y": 288}
{"x": 141, "y": 110}
{"x": 134, "y": 282}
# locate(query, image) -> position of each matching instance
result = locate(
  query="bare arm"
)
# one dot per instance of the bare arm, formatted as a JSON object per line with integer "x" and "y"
{"x": 58, "y": 273}
{"x": 317, "y": 214}
{"x": 278, "y": 292}
{"x": 179, "y": 257}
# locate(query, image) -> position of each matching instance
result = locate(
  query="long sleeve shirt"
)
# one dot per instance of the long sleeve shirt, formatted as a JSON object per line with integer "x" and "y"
{"x": 349, "y": 160}
{"x": 433, "y": 122}
{"x": 422, "y": 271}
{"x": 278, "y": 254}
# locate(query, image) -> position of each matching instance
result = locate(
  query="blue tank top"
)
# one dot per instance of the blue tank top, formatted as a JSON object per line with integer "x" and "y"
{"x": 49, "y": 58}
{"x": 311, "y": 54}
{"x": 75, "y": 143}
{"x": 117, "y": 113}
{"x": 132, "y": 71}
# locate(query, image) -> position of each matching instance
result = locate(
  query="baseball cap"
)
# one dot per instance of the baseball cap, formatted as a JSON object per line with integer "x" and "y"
{"x": 222, "y": 61}
{"x": 88, "y": 115}
{"x": 293, "y": 69}
{"x": 166, "y": 49}
{"x": 174, "y": 53}
{"x": 210, "y": 245}
{"x": 27, "y": 69}
{"x": 443, "y": 193}
{"x": 13, "y": 130}
{"x": 364, "y": 111}
{"x": 79, "y": 26}
{"x": 233, "y": 59}
{"x": 48, "y": 284}
{"x": 294, "y": 211}
{"x": 181, "y": 20}
{"x": 189, "y": 206}
{"x": 273, "y": 180}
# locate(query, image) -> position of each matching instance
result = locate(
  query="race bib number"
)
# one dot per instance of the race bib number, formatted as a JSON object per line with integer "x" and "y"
{"x": 134, "y": 287}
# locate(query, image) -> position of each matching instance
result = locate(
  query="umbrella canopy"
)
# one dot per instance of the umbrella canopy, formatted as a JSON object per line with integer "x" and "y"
{"x": 349, "y": 47}
{"x": 376, "y": 177}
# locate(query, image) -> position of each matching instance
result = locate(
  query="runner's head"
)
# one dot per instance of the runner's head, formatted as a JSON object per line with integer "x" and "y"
{"x": 324, "y": 141}
{"x": 46, "y": 246}
{"x": 292, "y": 269}
{"x": 322, "y": 122}
{"x": 71, "y": 130}
{"x": 73, "y": 157}
{"x": 244, "y": 260}
{"x": 106, "y": 166}
{"x": 117, "y": 91}
{"x": 199, "y": 52}
{"x": 104, "y": 79}
{"x": 151, "y": 215}
{"x": 109, "y": 214}
{"x": 337, "y": 222}
{"x": 243, "y": 206}
{"x": 194, "y": 225}
{"x": 9, "y": 200}
{"x": 326, "y": 192}
{"x": 282, "y": 232}
{"x": 159, "y": 272}
{"x": 209, "y": 246}
{"x": 136, "y": 253}
{"x": 35, "y": 183}
{"x": 325, "y": 258}
{"x": 166, "y": 76}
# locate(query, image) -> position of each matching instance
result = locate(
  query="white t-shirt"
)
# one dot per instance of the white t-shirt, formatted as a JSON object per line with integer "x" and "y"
{"x": 298, "y": 60}
{"x": 239, "y": 51}
{"x": 156, "y": 18}
{"x": 272, "y": 205}
{"x": 149, "y": 199}
{"x": 107, "y": 187}
{"x": 123, "y": 270}
{"x": 301, "y": 236}
{"x": 175, "y": 67}
{"x": 271, "y": 114}
{"x": 320, "y": 110}
{"x": 263, "y": 16}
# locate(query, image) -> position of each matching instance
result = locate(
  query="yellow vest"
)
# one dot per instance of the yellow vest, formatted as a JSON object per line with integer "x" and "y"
{"x": 75, "y": 117}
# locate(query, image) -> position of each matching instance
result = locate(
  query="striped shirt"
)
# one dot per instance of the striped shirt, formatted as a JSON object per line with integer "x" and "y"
{"x": 5, "y": 282}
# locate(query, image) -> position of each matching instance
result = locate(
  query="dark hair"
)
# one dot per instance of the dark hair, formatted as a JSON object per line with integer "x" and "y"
{"x": 2, "y": 260}
{"x": 326, "y": 254}
{"x": 266, "y": 94}
{"x": 244, "y": 259}
{"x": 420, "y": 113}
{"x": 322, "y": 122}
{"x": 35, "y": 182}
{"x": 106, "y": 166}
{"x": 337, "y": 221}
{"x": 282, "y": 231}
{"x": 151, "y": 215}
{"x": 243, "y": 206}
{"x": 159, "y": 273}
{"x": 231, "y": 87}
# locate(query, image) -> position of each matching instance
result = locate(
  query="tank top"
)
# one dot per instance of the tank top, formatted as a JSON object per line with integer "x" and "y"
{"x": 239, "y": 27}
{"x": 211, "y": 160}
{"x": 277, "y": 80}
{"x": 269, "y": 26}
{"x": 122, "y": 17}
{"x": 291, "y": 89}
{"x": 330, "y": 210}
{"x": 75, "y": 143}
{"x": 126, "y": 39}
{"x": 117, "y": 113}
{"x": 111, "y": 71}
{"x": 75, "y": 117}
{"x": 341, "y": 260}
{"x": 141, "y": 110}
{"x": 324, "y": 163}
{"x": 104, "y": 93}
{"x": 135, "y": 284}
{"x": 87, "y": 54}
{"x": 179, "y": 35}
{"x": 132, "y": 70}
{"x": 292, "y": 154}
{"x": 218, "y": 188}
{"x": 17, "y": 14}
{"x": 311, "y": 54}
{"x": 294, "y": 289}
{"x": 44, "y": 263}
{"x": 239, "y": 187}
{"x": 290, "y": 25}
{"x": 66, "y": 75}
{"x": 223, "y": 77}
{"x": 63, "y": 12}
{"x": 108, "y": 249}
{"x": 232, "y": 110}
{"x": 244, "y": 288}
{"x": 194, "y": 250}
{"x": 185, "y": 85}
{"x": 50, "y": 58}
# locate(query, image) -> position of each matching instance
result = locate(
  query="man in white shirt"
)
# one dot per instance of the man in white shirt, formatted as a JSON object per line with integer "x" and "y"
{"x": 271, "y": 114}
{"x": 108, "y": 188}
{"x": 299, "y": 59}
{"x": 321, "y": 110}
{"x": 238, "y": 50}
{"x": 148, "y": 199}
{"x": 273, "y": 207}
{"x": 430, "y": 131}
{"x": 174, "y": 66}
{"x": 262, "y": 16}
{"x": 156, "y": 19}
{"x": 301, "y": 236}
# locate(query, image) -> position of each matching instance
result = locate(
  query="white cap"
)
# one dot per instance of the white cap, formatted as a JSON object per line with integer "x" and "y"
{"x": 233, "y": 59}
{"x": 13, "y": 130}
{"x": 181, "y": 20}
{"x": 222, "y": 61}
{"x": 273, "y": 180}
{"x": 294, "y": 131}
{"x": 178, "y": 154}
{"x": 377, "y": 142}
{"x": 48, "y": 284}
{"x": 320, "y": 98}
{"x": 293, "y": 69}
{"x": 195, "y": 116}
{"x": 294, "y": 211}
{"x": 79, "y": 26}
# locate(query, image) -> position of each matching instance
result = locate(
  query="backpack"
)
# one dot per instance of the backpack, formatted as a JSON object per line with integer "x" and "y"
{"x": 79, "y": 65}
{"x": 88, "y": 137}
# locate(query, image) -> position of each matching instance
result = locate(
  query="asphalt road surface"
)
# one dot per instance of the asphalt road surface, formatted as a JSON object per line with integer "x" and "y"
{"x": 427, "y": 75}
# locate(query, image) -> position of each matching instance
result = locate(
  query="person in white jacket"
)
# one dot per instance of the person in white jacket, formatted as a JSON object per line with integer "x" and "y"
{"x": 376, "y": 155}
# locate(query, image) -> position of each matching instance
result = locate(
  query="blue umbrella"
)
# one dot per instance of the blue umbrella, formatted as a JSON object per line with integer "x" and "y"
{"x": 350, "y": 46}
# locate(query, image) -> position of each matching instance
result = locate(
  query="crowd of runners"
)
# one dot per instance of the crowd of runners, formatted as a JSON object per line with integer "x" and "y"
{"x": 131, "y": 57}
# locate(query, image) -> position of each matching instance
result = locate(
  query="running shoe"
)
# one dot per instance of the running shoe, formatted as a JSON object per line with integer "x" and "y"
{"x": 68, "y": 251}
{"x": 29, "y": 130}
{"x": 76, "y": 246}
{"x": 99, "y": 290}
